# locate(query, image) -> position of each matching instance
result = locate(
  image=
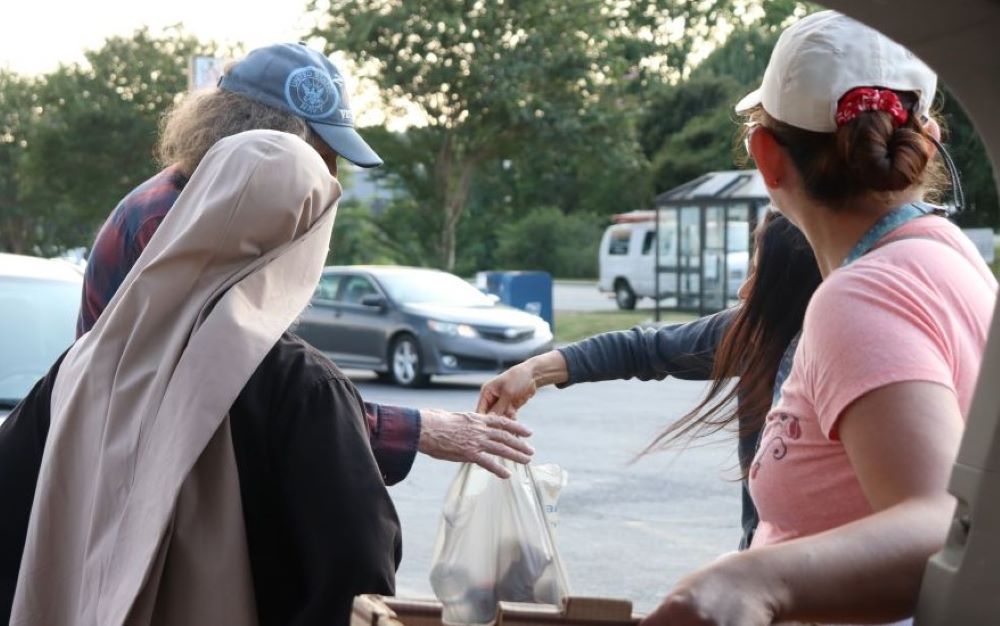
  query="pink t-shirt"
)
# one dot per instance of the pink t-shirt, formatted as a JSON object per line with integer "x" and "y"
{"x": 917, "y": 309}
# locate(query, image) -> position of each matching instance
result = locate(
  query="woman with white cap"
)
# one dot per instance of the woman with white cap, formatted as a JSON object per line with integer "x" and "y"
{"x": 851, "y": 471}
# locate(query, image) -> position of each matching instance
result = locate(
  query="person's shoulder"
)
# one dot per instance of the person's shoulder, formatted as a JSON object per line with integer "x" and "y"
{"x": 921, "y": 242}
{"x": 926, "y": 267}
{"x": 927, "y": 255}
{"x": 292, "y": 358}
{"x": 866, "y": 287}
{"x": 152, "y": 198}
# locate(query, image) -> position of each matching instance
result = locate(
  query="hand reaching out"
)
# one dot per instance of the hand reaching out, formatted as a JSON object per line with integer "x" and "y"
{"x": 474, "y": 438}
{"x": 506, "y": 393}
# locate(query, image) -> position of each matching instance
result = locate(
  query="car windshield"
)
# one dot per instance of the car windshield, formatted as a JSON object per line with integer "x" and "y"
{"x": 37, "y": 323}
{"x": 432, "y": 288}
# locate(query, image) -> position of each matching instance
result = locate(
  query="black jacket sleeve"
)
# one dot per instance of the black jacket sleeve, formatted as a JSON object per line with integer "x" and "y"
{"x": 339, "y": 535}
{"x": 685, "y": 351}
{"x": 22, "y": 442}
{"x": 344, "y": 523}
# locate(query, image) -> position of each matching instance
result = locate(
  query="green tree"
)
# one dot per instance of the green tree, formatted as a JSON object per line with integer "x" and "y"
{"x": 973, "y": 164}
{"x": 742, "y": 58}
{"x": 410, "y": 225}
{"x": 546, "y": 239}
{"x": 496, "y": 79}
{"x": 357, "y": 239}
{"x": 527, "y": 102}
{"x": 21, "y": 225}
{"x": 688, "y": 130}
{"x": 96, "y": 128}
{"x": 608, "y": 176}
{"x": 688, "y": 127}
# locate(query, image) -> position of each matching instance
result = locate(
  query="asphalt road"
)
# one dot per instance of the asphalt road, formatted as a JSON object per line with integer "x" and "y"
{"x": 625, "y": 530}
{"x": 578, "y": 296}
{"x": 584, "y": 296}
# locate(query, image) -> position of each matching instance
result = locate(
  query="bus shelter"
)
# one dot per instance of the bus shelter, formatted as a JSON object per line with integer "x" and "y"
{"x": 703, "y": 230}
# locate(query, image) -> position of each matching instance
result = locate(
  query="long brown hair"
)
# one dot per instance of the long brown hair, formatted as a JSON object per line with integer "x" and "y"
{"x": 781, "y": 281}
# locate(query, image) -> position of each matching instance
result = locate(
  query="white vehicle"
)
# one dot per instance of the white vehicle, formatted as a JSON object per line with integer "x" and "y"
{"x": 39, "y": 300}
{"x": 627, "y": 257}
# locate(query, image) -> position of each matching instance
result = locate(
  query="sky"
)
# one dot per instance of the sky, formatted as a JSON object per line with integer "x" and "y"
{"x": 39, "y": 34}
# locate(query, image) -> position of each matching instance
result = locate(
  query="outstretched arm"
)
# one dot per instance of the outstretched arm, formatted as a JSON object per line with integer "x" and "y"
{"x": 685, "y": 351}
{"x": 398, "y": 433}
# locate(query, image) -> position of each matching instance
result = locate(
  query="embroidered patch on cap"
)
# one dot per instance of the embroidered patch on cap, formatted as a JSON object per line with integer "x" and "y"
{"x": 311, "y": 93}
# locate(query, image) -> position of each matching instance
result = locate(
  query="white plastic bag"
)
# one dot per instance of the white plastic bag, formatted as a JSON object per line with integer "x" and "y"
{"x": 495, "y": 542}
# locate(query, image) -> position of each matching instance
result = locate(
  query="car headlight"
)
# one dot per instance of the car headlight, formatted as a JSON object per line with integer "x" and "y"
{"x": 452, "y": 329}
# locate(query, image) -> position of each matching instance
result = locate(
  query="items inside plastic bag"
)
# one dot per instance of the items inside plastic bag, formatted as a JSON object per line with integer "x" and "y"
{"x": 495, "y": 542}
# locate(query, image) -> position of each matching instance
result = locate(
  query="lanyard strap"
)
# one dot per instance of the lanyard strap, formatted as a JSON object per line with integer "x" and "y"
{"x": 885, "y": 225}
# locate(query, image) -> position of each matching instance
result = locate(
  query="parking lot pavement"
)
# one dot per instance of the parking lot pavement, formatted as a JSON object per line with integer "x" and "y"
{"x": 579, "y": 296}
{"x": 624, "y": 530}
{"x": 584, "y": 296}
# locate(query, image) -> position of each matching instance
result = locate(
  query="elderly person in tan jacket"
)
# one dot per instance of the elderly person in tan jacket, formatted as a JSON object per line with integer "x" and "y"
{"x": 188, "y": 460}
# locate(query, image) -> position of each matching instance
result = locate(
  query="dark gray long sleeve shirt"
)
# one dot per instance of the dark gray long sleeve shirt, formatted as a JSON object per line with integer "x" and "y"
{"x": 685, "y": 351}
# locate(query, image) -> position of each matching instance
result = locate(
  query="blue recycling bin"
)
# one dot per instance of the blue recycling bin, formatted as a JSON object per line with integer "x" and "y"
{"x": 528, "y": 291}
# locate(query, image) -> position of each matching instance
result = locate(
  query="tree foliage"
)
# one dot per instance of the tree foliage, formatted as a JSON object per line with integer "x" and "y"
{"x": 688, "y": 130}
{"x": 357, "y": 240}
{"x": 585, "y": 107}
{"x": 565, "y": 245}
{"x": 969, "y": 153}
{"x": 19, "y": 224}
{"x": 87, "y": 137}
{"x": 493, "y": 79}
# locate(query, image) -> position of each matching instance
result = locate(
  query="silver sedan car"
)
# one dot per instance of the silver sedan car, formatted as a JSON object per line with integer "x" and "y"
{"x": 407, "y": 324}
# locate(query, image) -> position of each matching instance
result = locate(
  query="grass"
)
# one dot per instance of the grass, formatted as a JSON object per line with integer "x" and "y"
{"x": 573, "y": 326}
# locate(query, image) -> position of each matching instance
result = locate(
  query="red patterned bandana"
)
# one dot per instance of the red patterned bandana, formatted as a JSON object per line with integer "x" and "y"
{"x": 861, "y": 99}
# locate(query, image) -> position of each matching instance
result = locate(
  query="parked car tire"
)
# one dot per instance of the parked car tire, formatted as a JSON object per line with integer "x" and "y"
{"x": 406, "y": 362}
{"x": 624, "y": 296}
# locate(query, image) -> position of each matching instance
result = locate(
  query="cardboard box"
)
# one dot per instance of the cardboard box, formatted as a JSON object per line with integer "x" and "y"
{"x": 575, "y": 611}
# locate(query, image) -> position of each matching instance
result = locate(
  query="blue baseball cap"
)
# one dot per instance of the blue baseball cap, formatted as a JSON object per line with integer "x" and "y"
{"x": 300, "y": 80}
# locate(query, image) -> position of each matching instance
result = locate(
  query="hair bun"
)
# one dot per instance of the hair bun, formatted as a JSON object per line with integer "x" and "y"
{"x": 880, "y": 156}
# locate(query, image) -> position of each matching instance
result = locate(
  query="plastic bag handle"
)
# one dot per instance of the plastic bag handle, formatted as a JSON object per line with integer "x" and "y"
{"x": 560, "y": 570}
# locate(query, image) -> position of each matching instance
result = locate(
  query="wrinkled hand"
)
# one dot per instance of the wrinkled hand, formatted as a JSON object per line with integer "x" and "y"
{"x": 474, "y": 438}
{"x": 506, "y": 393}
{"x": 726, "y": 593}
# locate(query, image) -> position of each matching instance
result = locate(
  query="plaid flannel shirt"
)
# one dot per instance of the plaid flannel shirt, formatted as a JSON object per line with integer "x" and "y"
{"x": 394, "y": 431}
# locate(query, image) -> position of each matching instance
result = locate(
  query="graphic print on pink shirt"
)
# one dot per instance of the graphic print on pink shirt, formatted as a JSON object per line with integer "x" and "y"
{"x": 787, "y": 428}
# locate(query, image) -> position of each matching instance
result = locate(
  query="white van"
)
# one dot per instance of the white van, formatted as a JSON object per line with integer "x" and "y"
{"x": 627, "y": 255}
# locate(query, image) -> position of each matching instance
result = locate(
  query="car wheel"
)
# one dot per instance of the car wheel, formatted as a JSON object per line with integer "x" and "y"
{"x": 624, "y": 296}
{"x": 405, "y": 362}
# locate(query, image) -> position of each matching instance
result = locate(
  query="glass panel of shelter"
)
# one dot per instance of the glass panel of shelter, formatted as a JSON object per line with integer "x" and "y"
{"x": 689, "y": 259}
{"x": 704, "y": 254}
{"x": 667, "y": 259}
{"x": 714, "y": 257}
{"x": 737, "y": 250}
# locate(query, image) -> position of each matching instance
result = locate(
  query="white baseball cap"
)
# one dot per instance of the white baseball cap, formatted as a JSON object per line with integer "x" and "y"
{"x": 823, "y": 56}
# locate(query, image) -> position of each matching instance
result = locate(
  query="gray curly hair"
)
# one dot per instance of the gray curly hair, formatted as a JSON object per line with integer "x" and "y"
{"x": 202, "y": 118}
